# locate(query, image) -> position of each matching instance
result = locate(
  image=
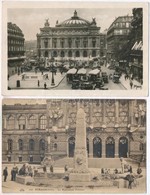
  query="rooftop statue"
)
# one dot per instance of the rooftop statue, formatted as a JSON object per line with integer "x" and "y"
{"x": 47, "y": 22}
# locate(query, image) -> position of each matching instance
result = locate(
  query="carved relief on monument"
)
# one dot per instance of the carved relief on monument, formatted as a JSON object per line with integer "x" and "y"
{"x": 123, "y": 113}
{"x": 110, "y": 112}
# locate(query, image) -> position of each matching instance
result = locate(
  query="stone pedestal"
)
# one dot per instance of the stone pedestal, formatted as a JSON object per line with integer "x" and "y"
{"x": 80, "y": 177}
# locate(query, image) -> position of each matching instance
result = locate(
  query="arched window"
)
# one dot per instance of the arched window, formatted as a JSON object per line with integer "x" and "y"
{"x": 77, "y": 54}
{"x": 55, "y": 54}
{"x": 70, "y": 54}
{"x": 20, "y": 144}
{"x": 42, "y": 144}
{"x": 22, "y": 122}
{"x": 46, "y": 54}
{"x": 141, "y": 146}
{"x": 31, "y": 145}
{"x": 93, "y": 53}
{"x": 10, "y": 145}
{"x": 62, "y": 54}
{"x": 55, "y": 146}
{"x": 32, "y": 122}
{"x": 84, "y": 54}
{"x": 43, "y": 122}
{"x": 11, "y": 123}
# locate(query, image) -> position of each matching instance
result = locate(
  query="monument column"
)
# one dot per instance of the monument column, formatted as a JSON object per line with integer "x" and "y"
{"x": 80, "y": 172}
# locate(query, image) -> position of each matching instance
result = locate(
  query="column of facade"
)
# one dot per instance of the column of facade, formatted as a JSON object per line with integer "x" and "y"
{"x": 37, "y": 121}
{"x": 16, "y": 122}
{"x": 116, "y": 147}
{"x": 104, "y": 112}
{"x": 132, "y": 105}
{"x": 26, "y": 117}
{"x": 116, "y": 112}
{"x": 5, "y": 122}
{"x": 103, "y": 147}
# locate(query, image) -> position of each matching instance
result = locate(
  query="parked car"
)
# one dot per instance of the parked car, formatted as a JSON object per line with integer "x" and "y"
{"x": 116, "y": 77}
{"x": 87, "y": 85}
{"x": 105, "y": 77}
{"x": 75, "y": 84}
{"x": 99, "y": 83}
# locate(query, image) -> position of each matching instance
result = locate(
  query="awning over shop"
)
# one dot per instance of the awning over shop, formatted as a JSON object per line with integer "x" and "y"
{"x": 81, "y": 71}
{"x": 94, "y": 72}
{"x": 138, "y": 45}
{"x": 17, "y": 58}
{"x": 72, "y": 71}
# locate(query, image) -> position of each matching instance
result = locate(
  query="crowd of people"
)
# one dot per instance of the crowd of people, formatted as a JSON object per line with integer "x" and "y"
{"x": 28, "y": 170}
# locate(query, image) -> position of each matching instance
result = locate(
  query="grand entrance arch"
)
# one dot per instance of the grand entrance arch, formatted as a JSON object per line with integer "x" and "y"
{"x": 110, "y": 147}
{"x": 123, "y": 147}
{"x": 97, "y": 147}
{"x": 71, "y": 146}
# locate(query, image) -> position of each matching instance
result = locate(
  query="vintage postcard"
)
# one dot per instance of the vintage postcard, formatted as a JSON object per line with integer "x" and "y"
{"x": 70, "y": 48}
{"x": 74, "y": 146}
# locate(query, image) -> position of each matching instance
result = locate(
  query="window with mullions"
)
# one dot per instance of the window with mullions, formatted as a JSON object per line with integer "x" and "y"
{"x": 42, "y": 144}
{"x": 32, "y": 122}
{"x": 11, "y": 123}
{"x": 10, "y": 145}
{"x": 31, "y": 145}
{"x": 20, "y": 144}
{"x": 22, "y": 122}
{"x": 43, "y": 122}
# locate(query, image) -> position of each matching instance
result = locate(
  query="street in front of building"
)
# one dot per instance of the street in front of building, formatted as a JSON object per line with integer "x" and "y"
{"x": 76, "y": 54}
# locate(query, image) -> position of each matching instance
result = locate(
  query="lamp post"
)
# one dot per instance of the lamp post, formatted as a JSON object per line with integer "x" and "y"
{"x": 52, "y": 81}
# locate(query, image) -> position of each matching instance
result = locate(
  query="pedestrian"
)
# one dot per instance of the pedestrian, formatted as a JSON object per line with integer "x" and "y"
{"x": 130, "y": 169}
{"x": 12, "y": 174}
{"x": 5, "y": 174}
{"x": 122, "y": 164}
{"x": 131, "y": 84}
{"x": 66, "y": 168}
{"x": 51, "y": 169}
{"x": 44, "y": 169}
{"x": 139, "y": 170}
{"x": 130, "y": 179}
{"x": 8, "y": 77}
{"x": 45, "y": 86}
{"x": 38, "y": 83}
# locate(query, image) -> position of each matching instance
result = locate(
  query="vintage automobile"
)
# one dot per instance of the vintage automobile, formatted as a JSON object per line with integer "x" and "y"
{"x": 105, "y": 77}
{"x": 87, "y": 86}
{"x": 116, "y": 77}
{"x": 99, "y": 83}
{"x": 75, "y": 84}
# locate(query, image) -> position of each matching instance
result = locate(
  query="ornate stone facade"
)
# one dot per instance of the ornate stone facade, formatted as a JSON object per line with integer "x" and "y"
{"x": 115, "y": 128}
{"x": 75, "y": 38}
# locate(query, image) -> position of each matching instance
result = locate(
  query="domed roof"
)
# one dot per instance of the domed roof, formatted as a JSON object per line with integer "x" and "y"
{"x": 74, "y": 21}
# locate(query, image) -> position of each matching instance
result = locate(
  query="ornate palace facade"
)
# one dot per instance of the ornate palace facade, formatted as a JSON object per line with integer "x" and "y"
{"x": 115, "y": 128}
{"x": 75, "y": 38}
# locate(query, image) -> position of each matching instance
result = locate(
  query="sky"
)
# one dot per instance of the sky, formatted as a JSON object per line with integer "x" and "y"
{"x": 30, "y": 20}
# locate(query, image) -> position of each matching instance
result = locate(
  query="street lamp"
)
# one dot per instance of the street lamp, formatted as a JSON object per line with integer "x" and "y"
{"x": 52, "y": 81}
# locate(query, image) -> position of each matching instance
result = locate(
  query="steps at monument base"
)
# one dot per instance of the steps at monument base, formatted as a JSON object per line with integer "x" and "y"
{"x": 92, "y": 162}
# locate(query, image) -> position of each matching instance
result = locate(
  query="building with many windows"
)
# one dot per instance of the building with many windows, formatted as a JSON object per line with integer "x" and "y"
{"x": 15, "y": 41}
{"x": 74, "y": 38}
{"x": 117, "y": 37}
{"x": 136, "y": 52}
{"x": 115, "y": 128}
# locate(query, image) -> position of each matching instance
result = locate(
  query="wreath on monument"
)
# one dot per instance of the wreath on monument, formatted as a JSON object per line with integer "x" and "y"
{"x": 79, "y": 161}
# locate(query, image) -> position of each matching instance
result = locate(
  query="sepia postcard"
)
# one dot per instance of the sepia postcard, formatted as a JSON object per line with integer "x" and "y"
{"x": 67, "y": 49}
{"x": 74, "y": 146}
